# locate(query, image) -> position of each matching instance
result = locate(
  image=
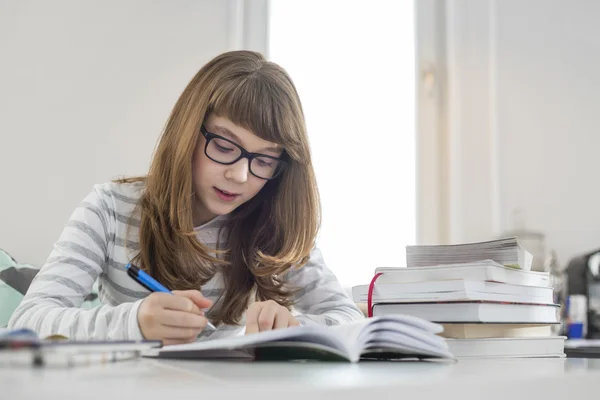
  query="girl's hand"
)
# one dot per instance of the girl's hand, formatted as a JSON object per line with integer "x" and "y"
{"x": 173, "y": 318}
{"x": 268, "y": 315}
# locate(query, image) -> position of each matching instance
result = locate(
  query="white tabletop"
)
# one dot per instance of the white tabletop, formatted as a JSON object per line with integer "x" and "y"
{"x": 146, "y": 379}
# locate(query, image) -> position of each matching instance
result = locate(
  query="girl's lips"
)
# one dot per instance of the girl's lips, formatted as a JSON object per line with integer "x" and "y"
{"x": 226, "y": 192}
{"x": 226, "y": 196}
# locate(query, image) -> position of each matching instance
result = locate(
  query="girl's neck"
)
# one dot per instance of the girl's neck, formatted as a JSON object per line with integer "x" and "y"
{"x": 202, "y": 217}
{"x": 213, "y": 223}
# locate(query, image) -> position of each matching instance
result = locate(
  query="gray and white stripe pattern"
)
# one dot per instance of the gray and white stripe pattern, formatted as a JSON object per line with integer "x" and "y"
{"x": 98, "y": 241}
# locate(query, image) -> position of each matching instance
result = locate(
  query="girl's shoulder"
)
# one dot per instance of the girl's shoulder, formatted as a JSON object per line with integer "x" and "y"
{"x": 118, "y": 196}
{"x": 127, "y": 191}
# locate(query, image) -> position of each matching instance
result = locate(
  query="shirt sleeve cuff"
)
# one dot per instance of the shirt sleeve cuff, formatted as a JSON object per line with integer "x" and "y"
{"x": 134, "y": 331}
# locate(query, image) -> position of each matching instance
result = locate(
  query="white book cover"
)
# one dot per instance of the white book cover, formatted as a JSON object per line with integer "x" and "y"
{"x": 473, "y": 312}
{"x": 505, "y": 251}
{"x": 386, "y": 337}
{"x": 552, "y": 346}
{"x": 453, "y": 290}
{"x": 484, "y": 270}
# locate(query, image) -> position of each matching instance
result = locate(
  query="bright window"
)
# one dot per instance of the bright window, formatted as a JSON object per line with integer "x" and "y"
{"x": 354, "y": 67}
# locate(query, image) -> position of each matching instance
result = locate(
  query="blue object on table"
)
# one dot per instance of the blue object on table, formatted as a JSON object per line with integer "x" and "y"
{"x": 17, "y": 333}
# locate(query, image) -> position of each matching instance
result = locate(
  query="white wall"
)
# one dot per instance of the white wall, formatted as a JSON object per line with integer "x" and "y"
{"x": 85, "y": 89}
{"x": 523, "y": 119}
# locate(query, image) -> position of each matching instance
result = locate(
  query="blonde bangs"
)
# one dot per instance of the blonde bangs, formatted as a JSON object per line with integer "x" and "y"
{"x": 254, "y": 103}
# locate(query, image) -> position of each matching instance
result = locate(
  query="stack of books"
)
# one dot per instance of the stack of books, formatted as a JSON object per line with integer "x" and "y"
{"x": 484, "y": 295}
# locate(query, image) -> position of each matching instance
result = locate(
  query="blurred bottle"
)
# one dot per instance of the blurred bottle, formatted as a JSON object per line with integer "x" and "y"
{"x": 577, "y": 316}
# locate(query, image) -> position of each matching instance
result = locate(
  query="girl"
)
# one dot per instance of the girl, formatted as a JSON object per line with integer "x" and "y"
{"x": 227, "y": 215}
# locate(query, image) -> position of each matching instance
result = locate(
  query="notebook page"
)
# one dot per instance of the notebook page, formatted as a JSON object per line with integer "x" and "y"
{"x": 314, "y": 334}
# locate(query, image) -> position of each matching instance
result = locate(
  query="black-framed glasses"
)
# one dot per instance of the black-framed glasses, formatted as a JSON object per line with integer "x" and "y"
{"x": 223, "y": 151}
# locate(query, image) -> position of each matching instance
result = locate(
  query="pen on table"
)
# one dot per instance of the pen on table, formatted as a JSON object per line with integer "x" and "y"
{"x": 150, "y": 283}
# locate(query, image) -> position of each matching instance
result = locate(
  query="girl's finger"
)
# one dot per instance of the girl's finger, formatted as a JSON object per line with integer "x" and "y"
{"x": 181, "y": 319}
{"x": 283, "y": 319}
{"x": 266, "y": 317}
{"x": 199, "y": 300}
{"x": 179, "y": 303}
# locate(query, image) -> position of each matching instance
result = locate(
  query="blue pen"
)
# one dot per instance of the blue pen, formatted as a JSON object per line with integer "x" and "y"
{"x": 150, "y": 283}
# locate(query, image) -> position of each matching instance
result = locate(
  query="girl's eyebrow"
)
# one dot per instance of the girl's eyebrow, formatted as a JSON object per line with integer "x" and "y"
{"x": 225, "y": 131}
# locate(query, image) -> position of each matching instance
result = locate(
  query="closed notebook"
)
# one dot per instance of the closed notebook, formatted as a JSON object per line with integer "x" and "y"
{"x": 480, "y": 331}
{"x": 482, "y": 270}
{"x": 453, "y": 290}
{"x": 508, "y": 347}
{"x": 506, "y": 251}
{"x": 23, "y": 348}
{"x": 390, "y": 337}
{"x": 473, "y": 312}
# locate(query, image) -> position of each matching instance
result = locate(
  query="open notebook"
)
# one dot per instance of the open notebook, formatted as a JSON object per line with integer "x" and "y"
{"x": 386, "y": 337}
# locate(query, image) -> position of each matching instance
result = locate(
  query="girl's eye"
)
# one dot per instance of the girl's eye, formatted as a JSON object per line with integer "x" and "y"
{"x": 263, "y": 163}
{"x": 223, "y": 149}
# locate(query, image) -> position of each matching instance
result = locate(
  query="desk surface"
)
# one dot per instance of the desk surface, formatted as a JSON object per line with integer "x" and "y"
{"x": 147, "y": 379}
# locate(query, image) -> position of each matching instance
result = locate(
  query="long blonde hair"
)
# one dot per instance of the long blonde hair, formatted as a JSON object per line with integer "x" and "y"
{"x": 267, "y": 235}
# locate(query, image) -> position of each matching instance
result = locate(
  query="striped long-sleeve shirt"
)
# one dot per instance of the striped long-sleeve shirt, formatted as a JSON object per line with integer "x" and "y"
{"x": 93, "y": 247}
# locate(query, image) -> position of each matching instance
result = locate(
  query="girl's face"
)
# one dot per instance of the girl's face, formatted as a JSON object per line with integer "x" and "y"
{"x": 219, "y": 188}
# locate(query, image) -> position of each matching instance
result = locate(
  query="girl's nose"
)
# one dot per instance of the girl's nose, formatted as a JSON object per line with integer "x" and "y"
{"x": 238, "y": 172}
